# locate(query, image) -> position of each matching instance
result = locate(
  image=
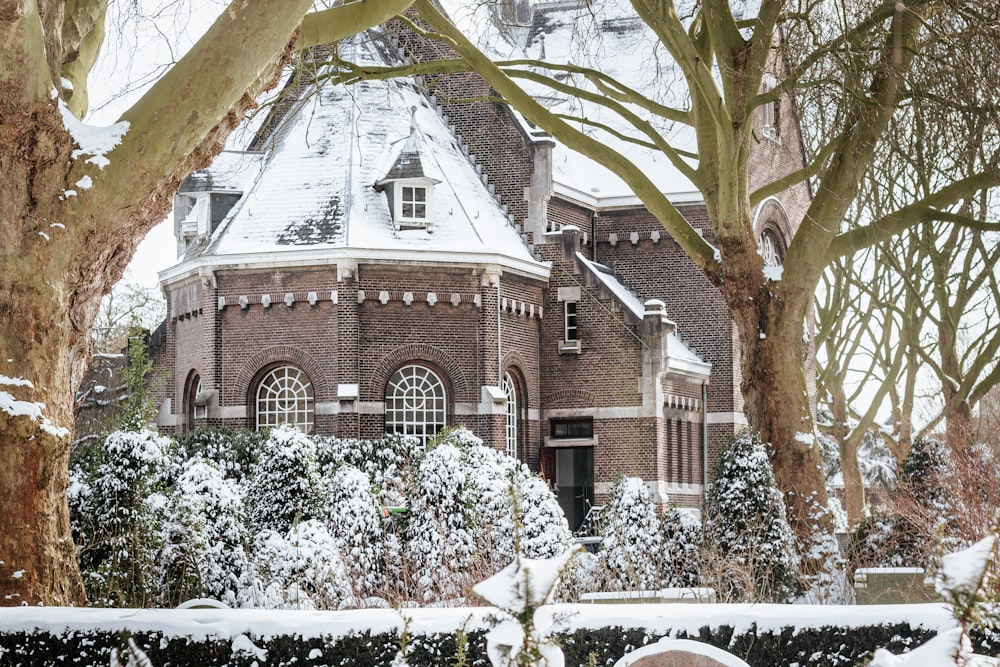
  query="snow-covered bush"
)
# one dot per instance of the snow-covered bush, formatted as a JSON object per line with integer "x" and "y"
{"x": 632, "y": 548}
{"x": 385, "y": 460}
{"x": 682, "y": 539}
{"x": 115, "y": 500}
{"x": 544, "y": 531}
{"x": 284, "y": 484}
{"x": 355, "y": 520}
{"x": 233, "y": 452}
{"x": 299, "y": 570}
{"x": 750, "y": 548}
{"x": 440, "y": 531}
{"x": 203, "y": 536}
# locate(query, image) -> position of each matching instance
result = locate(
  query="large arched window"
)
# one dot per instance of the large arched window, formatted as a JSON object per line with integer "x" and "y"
{"x": 771, "y": 248}
{"x": 509, "y": 387}
{"x": 285, "y": 396}
{"x": 415, "y": 403}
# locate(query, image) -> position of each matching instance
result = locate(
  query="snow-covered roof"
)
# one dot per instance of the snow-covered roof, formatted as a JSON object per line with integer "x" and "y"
{"x": 311, "y": 189}
{"x": 680, "y": 357}
{"x": 608, "y": 37}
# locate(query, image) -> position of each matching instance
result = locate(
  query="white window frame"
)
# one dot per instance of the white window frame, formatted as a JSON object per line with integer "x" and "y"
{"x": 770, "y": 126}
{"x": 284, "y": 396}
{"x": 568, "y": 328}
{"x": 413, "y": 220}
{"x": 770, "y": 248}
{"x": 416, "y": 403}
{"x": 509, "y": 387}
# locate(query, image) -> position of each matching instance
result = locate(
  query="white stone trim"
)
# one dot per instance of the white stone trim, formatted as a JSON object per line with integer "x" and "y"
{"x": 233, "y": 412}
{"x": 737, "y": 418}
{"x": 624, "y": 412}
{"x": 351, "y": 257}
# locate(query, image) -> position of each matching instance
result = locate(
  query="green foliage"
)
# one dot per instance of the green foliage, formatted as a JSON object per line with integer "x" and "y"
{"x": 746, "y": 528}
{"x": 233, "y": 451}
{"x": 138, "y": 411}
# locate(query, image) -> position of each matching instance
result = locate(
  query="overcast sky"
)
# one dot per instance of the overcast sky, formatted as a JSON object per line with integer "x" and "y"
{"x": 143, "y": 38}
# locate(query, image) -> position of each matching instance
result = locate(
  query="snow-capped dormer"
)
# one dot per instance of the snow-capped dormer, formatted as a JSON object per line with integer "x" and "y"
{"x": 408, "y": 188}
{"x": 199, "y": 206}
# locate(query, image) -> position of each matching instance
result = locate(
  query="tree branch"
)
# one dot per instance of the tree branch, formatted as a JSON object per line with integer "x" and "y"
{"x": 336, "y": 23}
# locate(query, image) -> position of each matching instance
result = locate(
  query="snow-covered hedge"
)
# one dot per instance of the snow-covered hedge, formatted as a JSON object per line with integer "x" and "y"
{"x": 763, "y": 635}
{"x": 291, "y": 521}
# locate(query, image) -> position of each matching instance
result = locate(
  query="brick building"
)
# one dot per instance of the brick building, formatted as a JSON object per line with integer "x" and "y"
{"x": 385, "y": 257}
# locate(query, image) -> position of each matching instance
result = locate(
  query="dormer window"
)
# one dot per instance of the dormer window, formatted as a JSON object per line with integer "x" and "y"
{"x": 414, "y": 203}
{"x": 407, "y": 186}
{"x": 410, "y": 201}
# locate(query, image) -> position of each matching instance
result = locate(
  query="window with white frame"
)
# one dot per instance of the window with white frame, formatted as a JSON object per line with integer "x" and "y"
{"x": 509, "y": 387}
{"x": 569, "y": 321}
{"x": 285, "y": 396}
{"x": 413, "y": 202}
{"x": 770, "y": 248}
{"x": 415, "y": 403}
{"x": 771, "y": 126}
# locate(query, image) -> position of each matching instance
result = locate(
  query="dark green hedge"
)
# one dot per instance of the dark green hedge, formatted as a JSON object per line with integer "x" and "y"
{"x": 819, "y": 647}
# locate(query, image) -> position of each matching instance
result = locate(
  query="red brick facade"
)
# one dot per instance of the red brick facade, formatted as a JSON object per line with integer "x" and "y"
{"x": 629, "y": 404}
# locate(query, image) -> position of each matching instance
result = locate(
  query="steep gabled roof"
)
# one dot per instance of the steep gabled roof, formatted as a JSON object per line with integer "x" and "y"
{"x": 312, "y": 186}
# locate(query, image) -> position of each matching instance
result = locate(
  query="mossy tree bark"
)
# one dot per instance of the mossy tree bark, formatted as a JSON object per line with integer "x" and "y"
{"x": 69, "y": 227}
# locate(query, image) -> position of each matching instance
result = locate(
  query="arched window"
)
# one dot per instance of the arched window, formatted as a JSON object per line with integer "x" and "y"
{"x": 509, "y": 387}
{"x": 191, "y": 391}
{"x": 771, "y": 248}
{"x": 415, "y": 403}
{"x": 285, "y": 396}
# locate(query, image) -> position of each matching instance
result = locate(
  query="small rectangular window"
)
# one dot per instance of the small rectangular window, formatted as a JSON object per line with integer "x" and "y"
{"x": 414, "y": 202}
{"x": 570, "y": 330}
{"x": 575, "y": 428}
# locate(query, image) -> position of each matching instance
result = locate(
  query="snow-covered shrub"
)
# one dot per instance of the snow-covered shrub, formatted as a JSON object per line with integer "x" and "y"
{"x": 300, "y": 570}
{"x": 632, "y": 546}
{"x": 355, "y": 520}
{"x": 203, "y": 535}
{"x": 440, "y": 543}
{"x": 233, "y": 452}
{"x": 682, "y": 539}
{"x": 493, "y": 478}
{"x": 116, "y": 500}
{"x": 385, "y": 460}
{"x": 544, "y": 531}
{"x": 284, "y": 484}
{"x": 750, "y": 546}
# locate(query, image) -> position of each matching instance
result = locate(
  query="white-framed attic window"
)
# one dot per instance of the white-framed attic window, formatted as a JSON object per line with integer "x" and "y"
{"x": 771, "y": 112}
{"x": 413, "y": 203}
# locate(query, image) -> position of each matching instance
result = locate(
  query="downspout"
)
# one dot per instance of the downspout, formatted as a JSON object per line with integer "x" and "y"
{"x": 704, "y": 436}
{"x": 499, "y": 343}
{"x": 593, "y": 236}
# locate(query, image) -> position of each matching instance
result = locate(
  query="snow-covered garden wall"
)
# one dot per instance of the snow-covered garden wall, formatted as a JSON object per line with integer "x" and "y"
{"x": 764, "y": 635}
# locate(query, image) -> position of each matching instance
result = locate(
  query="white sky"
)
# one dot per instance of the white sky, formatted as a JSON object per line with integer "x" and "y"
{"x": 137, "y": 50}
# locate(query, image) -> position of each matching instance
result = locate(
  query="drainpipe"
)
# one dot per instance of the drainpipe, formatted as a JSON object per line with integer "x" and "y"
{"x": 593, "y": 236}
{"x": 704, "y": 435}
{"x": 499, "y": 343}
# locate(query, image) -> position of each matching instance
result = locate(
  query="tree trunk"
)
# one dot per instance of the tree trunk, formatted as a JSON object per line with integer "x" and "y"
{"x": 775, "y": 392}
{"x": 848, "y": 443}
{"x": 43, "y": 351}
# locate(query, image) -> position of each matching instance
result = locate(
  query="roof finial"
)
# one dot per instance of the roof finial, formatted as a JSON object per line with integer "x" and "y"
{"x": 541, "y": 38}
{"x": 413, "y": 119}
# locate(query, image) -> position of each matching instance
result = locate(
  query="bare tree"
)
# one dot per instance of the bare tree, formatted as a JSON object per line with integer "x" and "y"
{"x": 75, "y": 202}
{"x": 920, "y": 307}
{"x": 857, "y": 60}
